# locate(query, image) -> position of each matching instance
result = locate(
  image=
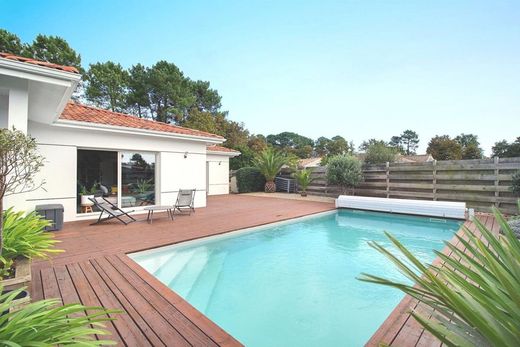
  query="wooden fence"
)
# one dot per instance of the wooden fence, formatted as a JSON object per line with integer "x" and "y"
{"x": 481, "y": 183}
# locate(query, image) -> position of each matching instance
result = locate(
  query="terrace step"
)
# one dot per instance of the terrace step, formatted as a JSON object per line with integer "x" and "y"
{"x": 186, "y": 277}
{"x": 201, "y": 292}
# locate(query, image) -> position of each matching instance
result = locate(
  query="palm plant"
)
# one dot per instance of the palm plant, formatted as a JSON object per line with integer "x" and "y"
{"x": 46, "y": 323}
{"x": 304, "y": 179}
{"x": 474, "y": 298}
{"x": 269, "y": 162}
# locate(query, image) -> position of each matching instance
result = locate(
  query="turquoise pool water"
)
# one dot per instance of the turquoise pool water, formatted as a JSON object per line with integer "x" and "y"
{"x": 295, "y": 284}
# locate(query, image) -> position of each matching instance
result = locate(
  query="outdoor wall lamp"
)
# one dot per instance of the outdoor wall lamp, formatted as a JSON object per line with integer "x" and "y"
{"x": 185, "y": 155}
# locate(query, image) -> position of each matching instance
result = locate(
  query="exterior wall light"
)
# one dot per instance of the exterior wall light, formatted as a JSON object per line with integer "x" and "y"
{"x": 185, "y": 155}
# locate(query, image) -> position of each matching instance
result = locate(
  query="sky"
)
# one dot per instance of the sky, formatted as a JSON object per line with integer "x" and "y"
{"x": 360, "y": 69}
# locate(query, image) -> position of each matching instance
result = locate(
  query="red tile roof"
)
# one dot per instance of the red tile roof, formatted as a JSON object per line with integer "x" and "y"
{"x": 83, "y": 113}
{"x": 215, "y": 148}
{"x": 38, "y": 62}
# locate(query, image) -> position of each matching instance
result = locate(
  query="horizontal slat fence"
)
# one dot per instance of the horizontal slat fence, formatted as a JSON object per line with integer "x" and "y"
{"x": 481, "y": 183}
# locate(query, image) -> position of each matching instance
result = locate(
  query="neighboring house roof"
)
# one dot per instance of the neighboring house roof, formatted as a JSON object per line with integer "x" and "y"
{"x": 83, "y": 113}
{"x": 222, "y": 150}
{"x": 309, "y": 162}
{"x": 418, "y": 158}
{"x": 215, "y": 148}
{"x": 38, "y": 62}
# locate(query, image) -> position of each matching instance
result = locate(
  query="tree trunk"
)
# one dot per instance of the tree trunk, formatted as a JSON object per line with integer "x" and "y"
{"x": 270, "y": 187}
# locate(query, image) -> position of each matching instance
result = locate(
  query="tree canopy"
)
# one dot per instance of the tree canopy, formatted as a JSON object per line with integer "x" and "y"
{"x": 107, "y": 85}
{"x": 162, "y": 92}
{"x": 470, "y": 146}
{"x": 444, "y": 148}
{"x": 406, "y": 143}
{"x": 505, "y": 149}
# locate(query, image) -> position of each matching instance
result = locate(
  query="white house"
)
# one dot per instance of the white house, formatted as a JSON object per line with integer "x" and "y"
{"x": 136, "y": 162}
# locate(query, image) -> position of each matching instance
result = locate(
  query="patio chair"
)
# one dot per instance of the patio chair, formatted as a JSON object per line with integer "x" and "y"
{"x": 111, "y": 210}
{"x": 185, "y": 201}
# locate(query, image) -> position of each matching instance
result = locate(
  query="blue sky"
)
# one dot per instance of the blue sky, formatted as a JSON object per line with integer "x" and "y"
{"x": 360, "y": 69}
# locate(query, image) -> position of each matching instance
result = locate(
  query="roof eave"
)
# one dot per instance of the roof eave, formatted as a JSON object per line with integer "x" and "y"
{"x": 125, "y": 130}
{"x": 39, "y": 73}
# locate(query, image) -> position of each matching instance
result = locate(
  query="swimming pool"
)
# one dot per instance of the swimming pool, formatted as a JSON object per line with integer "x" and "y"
{"x": 295, "y": 283}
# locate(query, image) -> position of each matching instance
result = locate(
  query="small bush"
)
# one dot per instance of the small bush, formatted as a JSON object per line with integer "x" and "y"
{"x": 515, "y": 184}
{"x": 344, "y": 171}
{"x": 250, "y": 179}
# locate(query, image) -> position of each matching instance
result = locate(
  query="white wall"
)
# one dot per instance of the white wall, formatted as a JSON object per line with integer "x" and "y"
{"x": 218, "y": 178}
{"x": 59, "y": 146}
{"x": 4, "y": 108}
{"x": 18, "y": 102}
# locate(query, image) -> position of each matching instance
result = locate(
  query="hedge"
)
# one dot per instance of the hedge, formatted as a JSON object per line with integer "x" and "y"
{"x": 249, "y": 179}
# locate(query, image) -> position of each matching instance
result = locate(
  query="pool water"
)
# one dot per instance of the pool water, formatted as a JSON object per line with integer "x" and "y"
{"x": 294, "y": 284}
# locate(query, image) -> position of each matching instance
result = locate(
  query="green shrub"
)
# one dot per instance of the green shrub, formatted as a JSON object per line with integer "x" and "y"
{"x": 250, "y": 179}
{"x": 24, "y": 236}
{"x": 344, "y": 171}
{"x": 475, "y": 298}
{"x": 378, "y": 153}
{"x": 515, "y": 184}
{"x": 47, "y": 323}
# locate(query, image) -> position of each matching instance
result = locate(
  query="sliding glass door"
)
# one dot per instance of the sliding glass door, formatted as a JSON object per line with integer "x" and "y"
{"x": 126, "y": 179}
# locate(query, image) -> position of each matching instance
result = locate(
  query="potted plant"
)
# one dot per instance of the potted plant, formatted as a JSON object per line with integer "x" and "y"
{"x": 87, "y": 194}
{"x": 269, "y": 162}
{"x": 304, "y": 179}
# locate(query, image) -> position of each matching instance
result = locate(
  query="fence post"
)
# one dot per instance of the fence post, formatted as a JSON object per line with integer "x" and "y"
{"x": 497, "y": 193}
{"x": 387, "y": 179}
{"x": 434, "y": 180}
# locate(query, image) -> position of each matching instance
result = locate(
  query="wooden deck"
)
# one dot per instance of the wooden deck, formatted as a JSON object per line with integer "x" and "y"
{"x": 400, "y": 328}
{"x": 95, "y": 270}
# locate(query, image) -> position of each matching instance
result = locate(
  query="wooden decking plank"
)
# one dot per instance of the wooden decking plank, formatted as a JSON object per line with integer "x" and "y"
{"x": 88, "y": 298}
{"x": 36, "y": 285}
{"x": 176, "y": 319}
{"x": 50, "y": 284}
{"x": 66, "y": 287}
{"x": 153, "y": 319}
{"x": 127, "y": 328}
{"x": 211, "y": 329}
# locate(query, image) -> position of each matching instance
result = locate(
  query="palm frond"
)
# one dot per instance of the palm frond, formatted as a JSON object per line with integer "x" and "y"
{"x": 474, "y": 294}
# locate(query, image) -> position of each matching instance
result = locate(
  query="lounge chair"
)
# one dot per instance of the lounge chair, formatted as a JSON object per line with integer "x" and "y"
{"x": 111, "y": 210}
{"x": 185, "y": 201}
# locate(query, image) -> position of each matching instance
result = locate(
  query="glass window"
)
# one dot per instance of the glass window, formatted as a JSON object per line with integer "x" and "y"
{"x": 137, "y": 179}
{"x": 97, "y": 176}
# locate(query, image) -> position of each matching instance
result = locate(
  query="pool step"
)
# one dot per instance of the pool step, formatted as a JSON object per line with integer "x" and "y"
{"x": 170, "y": 266}
{"x": 183, "y": 281}
{"x": 203, "y": 287}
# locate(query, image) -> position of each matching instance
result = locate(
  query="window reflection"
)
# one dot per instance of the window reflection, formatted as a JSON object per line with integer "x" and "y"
{"x": 137, "y": 179}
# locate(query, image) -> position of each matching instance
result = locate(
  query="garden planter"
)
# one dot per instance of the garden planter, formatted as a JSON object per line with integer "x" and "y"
{"x": 21, "y": 279}
{"x": 85, "y": 200}
{"x": 304, "y": 194}
{"x": 270, "y": 187}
